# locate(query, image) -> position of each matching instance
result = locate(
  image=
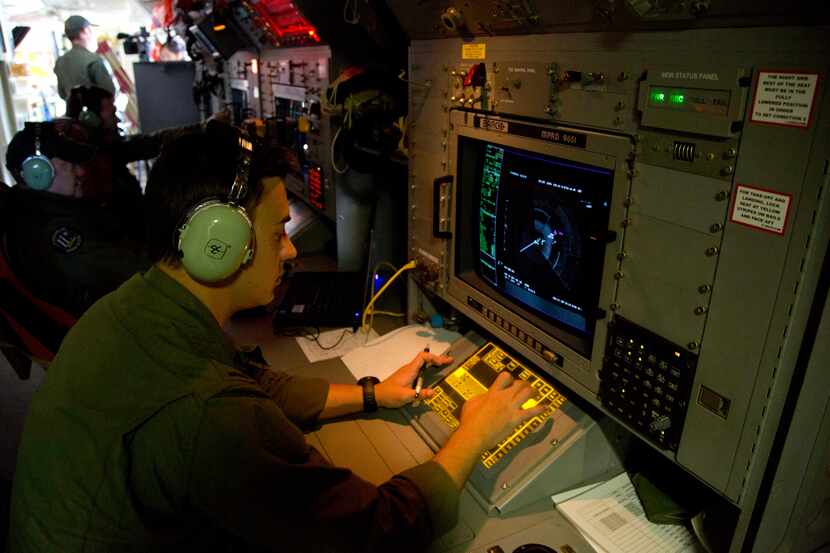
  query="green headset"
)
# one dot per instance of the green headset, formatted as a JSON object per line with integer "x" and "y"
{"x": 216, "y": 237}
{"x": 37, "y": 171}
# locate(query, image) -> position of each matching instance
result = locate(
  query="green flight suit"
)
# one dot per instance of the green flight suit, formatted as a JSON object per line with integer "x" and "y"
{"x": 149, "y": 434}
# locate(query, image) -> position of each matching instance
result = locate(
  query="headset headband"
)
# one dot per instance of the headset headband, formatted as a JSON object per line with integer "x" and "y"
{"x": 37, "y": 140}
{"x": 239, "y": 189}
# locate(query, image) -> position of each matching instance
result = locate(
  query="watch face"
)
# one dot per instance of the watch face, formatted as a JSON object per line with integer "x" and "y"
{"x": 368, "y": 384}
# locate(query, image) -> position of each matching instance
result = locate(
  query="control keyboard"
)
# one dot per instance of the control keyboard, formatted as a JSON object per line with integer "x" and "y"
{"x": 474, "y": 376}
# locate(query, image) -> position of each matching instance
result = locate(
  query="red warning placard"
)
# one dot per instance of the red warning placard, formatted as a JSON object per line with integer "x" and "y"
{"x": 761, "y": 209}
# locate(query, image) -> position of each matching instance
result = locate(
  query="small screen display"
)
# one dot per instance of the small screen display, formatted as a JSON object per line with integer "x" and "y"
{"x": 540, "y": 225}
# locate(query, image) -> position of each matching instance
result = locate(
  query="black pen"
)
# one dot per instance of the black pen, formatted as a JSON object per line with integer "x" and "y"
{"x": 419, "y": 381}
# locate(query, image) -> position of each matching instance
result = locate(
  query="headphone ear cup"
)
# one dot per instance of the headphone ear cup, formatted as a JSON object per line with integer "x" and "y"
{"x": 37, "y": 172}
{"x": 89, "y": 118}
{"x": 215, "y": 241}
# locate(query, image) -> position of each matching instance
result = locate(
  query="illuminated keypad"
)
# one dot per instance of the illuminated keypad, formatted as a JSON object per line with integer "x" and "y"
{"x": 474, "y": 377}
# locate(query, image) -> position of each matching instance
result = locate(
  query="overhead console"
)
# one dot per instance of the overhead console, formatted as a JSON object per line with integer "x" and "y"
{"x": 434, "y": 19}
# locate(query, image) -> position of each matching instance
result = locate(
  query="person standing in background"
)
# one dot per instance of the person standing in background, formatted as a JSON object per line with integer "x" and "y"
{"x": 81, "y": 65}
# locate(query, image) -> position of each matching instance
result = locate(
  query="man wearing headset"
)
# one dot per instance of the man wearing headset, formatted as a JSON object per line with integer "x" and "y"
{"x": 64, "y": 243}
{"x": 152, "y": 433}
{"x": 94, "y": 108}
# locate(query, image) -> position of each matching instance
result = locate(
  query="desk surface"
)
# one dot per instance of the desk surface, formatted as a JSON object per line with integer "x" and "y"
{"x": 380, "y": 445}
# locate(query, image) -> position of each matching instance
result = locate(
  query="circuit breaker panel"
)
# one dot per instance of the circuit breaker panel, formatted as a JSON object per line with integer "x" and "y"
{"x": 285, "y": 88}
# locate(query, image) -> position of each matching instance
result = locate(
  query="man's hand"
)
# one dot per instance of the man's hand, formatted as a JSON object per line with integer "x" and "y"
{"x": 397, "y": 390}
{"x": 489, "y": 417}
{"x": 485, "y": 419}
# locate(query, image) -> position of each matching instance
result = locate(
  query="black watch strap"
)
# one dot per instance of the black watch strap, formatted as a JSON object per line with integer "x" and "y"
{"x": 370, "y": 404}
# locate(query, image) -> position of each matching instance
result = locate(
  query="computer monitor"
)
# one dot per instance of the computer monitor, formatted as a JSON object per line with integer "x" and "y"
{"x": 532, "y": 233}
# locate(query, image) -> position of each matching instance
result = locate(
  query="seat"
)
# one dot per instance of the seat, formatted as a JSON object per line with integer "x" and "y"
{"x": 31, "y": 329}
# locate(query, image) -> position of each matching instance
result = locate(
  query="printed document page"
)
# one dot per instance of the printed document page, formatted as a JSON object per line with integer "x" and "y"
{"x": 383, "y": 356}
{"x": 612, "y": 516}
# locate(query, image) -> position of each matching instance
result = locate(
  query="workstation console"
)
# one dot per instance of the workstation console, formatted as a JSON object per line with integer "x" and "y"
{"x": 616, "y": 216}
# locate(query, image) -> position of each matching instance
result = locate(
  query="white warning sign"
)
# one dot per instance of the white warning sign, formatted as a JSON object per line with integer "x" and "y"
{"x": 783, "y": 98}
{"x": 761, "y": 209}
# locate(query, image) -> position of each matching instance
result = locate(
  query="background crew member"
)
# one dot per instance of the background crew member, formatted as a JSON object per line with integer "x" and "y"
{"x": 65, "y": 245}
{"x": 81, "y": 65}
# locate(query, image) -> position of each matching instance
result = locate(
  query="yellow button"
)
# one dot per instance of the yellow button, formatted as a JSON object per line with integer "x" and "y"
{"x": 529, "y": 403}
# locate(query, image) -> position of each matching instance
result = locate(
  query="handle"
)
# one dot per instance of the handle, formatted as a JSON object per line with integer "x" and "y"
{"x": 436, "y": 206}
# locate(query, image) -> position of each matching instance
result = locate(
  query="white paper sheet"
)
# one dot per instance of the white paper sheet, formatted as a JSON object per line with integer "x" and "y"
{"x": 350, "y": 341}
{"x": 561, "y": 497}
{"x": 383, "y": 356}
{"x": 611, "y": 515}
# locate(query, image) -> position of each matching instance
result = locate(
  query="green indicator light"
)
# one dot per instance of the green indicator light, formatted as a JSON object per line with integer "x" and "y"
{"x": 658, "y": 96}
{"x": 677, "y": 98}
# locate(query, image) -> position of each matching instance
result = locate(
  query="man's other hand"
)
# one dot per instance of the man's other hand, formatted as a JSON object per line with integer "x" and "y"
{"x": 489, "y": 417}
{"x": 398, "y": 389}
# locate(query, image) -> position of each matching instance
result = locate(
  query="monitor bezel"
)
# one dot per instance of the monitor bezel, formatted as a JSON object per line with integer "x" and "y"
{"x": 600, "y": 150}
{"x": 579, "y": 340}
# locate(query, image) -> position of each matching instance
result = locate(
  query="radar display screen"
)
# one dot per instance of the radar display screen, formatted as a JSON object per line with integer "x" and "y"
{"x": 537, "y": 224}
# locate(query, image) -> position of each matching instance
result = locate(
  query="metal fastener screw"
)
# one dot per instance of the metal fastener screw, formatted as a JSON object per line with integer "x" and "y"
{"x": 721, "y": 196}
{"x": 618, "y": 275}
{"x": 728, "y": 170}
{"x": 730, "y": 153}
{"x": 704, "y": 288}
{"x": 717, "y": 227}
{"x": 554, "y": 442}
{"x": 622, "y": 255}
{"x": 713, "y": 250}
{"x": 692, "y": 345}
{"x": 505, "y": 486}
{"x": 700, "y": 310}
{"x": 614, "y": 307}
{"x": 710, "y": 156}
{"x": 627, "y": 202}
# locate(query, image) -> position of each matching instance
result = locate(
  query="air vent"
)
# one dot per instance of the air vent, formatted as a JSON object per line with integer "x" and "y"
{"x": 684, "y": 151}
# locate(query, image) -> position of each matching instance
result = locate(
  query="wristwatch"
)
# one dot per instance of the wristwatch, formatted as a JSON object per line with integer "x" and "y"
{"x": 370, "y": 404}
